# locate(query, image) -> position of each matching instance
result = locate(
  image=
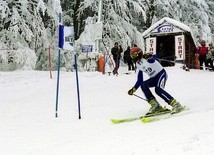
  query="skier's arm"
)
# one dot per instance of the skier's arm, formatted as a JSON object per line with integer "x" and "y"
{"x": 139, "y": 80}
{"x": 137, "y": 84}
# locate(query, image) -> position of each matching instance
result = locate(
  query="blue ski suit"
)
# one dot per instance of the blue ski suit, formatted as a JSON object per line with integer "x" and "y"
{"x": 157, "y": 78}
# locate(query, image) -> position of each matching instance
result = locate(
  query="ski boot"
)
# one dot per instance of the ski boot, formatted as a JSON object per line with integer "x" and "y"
{"x": 156, "y": 108}
{"x": 176, "y": 106}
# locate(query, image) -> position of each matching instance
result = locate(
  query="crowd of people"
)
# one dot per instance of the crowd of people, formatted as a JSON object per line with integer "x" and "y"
{"x": 204, "y": 54}
{"x": 116, "y": 52}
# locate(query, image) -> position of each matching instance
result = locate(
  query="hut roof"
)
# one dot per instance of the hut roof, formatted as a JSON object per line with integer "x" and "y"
{"x": 166, "y": 20}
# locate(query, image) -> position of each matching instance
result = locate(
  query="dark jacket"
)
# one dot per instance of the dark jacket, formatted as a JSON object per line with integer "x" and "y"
{"x": 116, "y": 52}
{"x": 127, "y": 58}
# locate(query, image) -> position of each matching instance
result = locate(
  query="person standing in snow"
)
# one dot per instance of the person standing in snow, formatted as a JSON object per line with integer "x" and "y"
{"x": 210, "y": 57}
{"x": 127, "y": 59}
{"x": 202, "y": 52}
{"x": 148, "y": 64}
{"x": 116, "y": 52}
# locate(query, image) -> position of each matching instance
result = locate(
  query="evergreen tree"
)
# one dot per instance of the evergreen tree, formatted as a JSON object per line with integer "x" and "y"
{"x": 196, "y": 14}
{"x": 27, "y": 24}
{"x": 117, "y": 20}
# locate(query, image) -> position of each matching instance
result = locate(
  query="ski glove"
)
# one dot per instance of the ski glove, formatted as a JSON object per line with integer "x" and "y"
{"x": 131, "y": 91}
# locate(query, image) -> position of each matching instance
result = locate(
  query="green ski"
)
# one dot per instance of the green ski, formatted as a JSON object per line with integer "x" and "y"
{"x": 116, "y": 121}
{"x": 161, "y": 117}
{"x": 131, "y": 119}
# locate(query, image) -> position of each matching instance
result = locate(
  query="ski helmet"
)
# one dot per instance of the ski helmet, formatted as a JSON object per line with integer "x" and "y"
{"x": 136, "y": 54}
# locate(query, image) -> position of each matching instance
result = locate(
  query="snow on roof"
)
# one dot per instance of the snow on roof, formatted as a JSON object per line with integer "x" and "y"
{"x": 170, "y": 21}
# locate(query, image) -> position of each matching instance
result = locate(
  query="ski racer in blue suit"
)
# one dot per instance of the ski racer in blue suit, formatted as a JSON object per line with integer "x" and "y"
{"x": 148, "y": 64}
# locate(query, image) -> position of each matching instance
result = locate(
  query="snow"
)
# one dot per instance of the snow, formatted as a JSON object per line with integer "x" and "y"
{"x": 28, "y": 123}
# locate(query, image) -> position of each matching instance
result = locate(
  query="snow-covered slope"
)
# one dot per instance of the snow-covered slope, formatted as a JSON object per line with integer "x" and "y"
{"x": 28, "y": 125}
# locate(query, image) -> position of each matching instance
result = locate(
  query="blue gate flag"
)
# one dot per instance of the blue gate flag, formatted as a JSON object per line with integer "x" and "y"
{"x": 61, "y": 36}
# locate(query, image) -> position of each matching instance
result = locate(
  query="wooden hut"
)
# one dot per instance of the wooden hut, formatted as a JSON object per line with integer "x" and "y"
{"x": 171, "y": 41}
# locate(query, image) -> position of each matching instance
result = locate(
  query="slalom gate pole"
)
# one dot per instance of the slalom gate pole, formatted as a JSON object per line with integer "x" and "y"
{"x": 140, "y": 97}
{"x": 77, "y": 80}
{"x": 57, "y": 89}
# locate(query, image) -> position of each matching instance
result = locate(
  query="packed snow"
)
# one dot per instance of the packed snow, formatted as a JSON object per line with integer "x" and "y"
{"x": 29, "y": 126}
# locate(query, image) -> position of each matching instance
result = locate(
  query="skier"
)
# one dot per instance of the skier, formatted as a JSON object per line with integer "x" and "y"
{"x": 148, "y": 64}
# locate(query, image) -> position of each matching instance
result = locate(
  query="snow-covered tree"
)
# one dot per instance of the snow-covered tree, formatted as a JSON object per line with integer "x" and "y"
{"x": 140, "y": 14}
{"x": 118, "y": 20}
{"x": 27, "y": 24}
{"x": 194, "y": 13}
{"x": 210, "y": 13}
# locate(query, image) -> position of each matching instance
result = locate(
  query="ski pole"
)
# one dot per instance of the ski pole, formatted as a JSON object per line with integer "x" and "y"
{"x": 140, "y": 97}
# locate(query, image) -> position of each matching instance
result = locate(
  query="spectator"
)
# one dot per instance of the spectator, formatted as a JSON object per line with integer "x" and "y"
{"x": 116, "y": 52}
{"x": 202, "y": 52}
{"x": 210, "y": 57}
{"x": 127, "y": 59}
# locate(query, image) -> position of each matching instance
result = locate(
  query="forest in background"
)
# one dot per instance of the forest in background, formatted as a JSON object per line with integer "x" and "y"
{"x": 28, "y": 28}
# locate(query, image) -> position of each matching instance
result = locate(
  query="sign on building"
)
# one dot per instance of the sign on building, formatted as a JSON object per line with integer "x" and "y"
{"x": 151, "y": 45}
{"x": 166, "y": 28}
{"x": 180, "y": 47}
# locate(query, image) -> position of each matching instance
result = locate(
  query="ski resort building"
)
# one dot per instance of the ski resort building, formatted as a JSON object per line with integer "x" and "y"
{"x": 172, "y": 41}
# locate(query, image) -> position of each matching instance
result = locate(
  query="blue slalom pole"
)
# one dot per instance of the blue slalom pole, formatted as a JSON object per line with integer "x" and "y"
{"x": 60, "y": 45}
{"x": 57, "y": 89}
{"x": 77, "y": 80}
